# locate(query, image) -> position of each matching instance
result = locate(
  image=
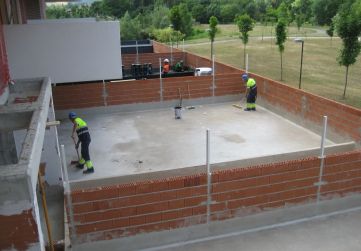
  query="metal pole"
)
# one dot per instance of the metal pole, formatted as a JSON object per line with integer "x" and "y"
{"x": 247, "y": 63}
{"x": 136, "y": 47}
{"x": 299, "y": 83}
{"x": 171, "y": 53}
{"x": 209, "y": 177}
{"x": 43, "y": 198}
{"x": 213, "y": 76}
{"x": 322, "y": 157}
{"x": 183, "y": 44}
{"x": 160, "y": 80}
{"x": 67, "y": 193}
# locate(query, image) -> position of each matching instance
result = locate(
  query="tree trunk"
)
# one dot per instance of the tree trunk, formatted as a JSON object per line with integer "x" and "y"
{"x": 344, "y": 90}
{"x": 281, "y": 67}
{"x": 211, "y": 50}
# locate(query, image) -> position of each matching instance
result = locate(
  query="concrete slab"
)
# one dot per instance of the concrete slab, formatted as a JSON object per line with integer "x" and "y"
{"x": 153, "y": 140}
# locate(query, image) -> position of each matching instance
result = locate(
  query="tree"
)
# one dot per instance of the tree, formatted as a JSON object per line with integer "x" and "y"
{"x": 245, "y": 24}
{"x": 348, "y": 27}
{"x": 324, "y": 10}
{"x": 302, "y": 11}
{"x": 213, "y": 21}
{"x": 280, "y": 39}
{"x": 130, "y": 29}
{"x": 181, "y": 19}
{"x": 330, "y": 30}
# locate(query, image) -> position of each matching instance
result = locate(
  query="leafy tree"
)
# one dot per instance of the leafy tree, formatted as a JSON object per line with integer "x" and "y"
{"x": 199, "y": 14}
{"x": 348, "y": 27}
{"x": 283, "y": 13}
{"x": 302, "y": 11}
{"x": 181, "y": 19}
{"x": 324, "y": 10}
{"x": 213, "y": 21}
{"x": 214, "y": 9}
{"x": 330, "y": 30}
{"x": 160, "y": 17}
{"x": 228, "y": 12}
{"x": 280, "y": 40}
{"x": 245, "y": 24}
{"x": 130, "y": 29}
{"x": 168, "y": 34}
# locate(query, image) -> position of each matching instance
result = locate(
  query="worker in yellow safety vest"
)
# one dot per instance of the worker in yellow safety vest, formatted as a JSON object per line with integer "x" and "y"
{"x": 251, "y": 92}
{"x": 81, "y": 128}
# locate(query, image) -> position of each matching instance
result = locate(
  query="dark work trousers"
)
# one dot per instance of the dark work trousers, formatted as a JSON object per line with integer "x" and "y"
{"x": 85, "y": 149}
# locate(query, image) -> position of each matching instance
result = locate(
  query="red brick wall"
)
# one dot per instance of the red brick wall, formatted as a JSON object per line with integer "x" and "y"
{"x": 343, "y": 119}
{"x": 129, "y": 209}
{"x": 142, "y": 91}
{"x": 4, "y": 69}
{"x": 18, "y": 231}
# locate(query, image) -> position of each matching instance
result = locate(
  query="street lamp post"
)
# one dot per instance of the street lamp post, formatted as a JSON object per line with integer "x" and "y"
{"x": 300, "y": 40}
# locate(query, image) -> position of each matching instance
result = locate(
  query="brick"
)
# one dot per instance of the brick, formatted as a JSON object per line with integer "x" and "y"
{"x": 153, "y": 218}
{"x": 170, "y": 215}
{"x": 144, "y": 199}
{"x": 136, "y": 220}
{"x": 121, "y": 222}
{"x": 150, "y": 208}
{"x": 176, "y": 183}
{"x": 168, "y": 195}
{"x": 185, "y": 192}
{"x": 176, "y": 204}
{"x": 185, "y": 212}
{"x": 199, "y": 210}
{"x": 126, "y": 189}
{"x": 194, "y": 201}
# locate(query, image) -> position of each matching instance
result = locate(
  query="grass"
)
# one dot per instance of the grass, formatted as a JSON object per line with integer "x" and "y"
{"x": 321, "y": 73}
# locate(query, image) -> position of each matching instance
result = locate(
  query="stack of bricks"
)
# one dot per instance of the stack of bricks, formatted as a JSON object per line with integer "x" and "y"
{"x": 155, "y": 205}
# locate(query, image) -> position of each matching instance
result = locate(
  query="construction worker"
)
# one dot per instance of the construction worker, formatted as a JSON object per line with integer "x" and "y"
{"x": 166, "y": 66}
{"x": 251, "y": 92}
{"x": 81, "y": 128}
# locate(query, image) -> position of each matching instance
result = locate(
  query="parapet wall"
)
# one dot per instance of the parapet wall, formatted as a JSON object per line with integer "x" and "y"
{"x": 308, "y": 109}
{"x": 104, "y": 213}
{"x": 143, "y": 91}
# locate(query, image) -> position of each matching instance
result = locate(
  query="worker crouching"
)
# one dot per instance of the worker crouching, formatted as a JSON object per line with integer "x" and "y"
{"x": 251, "y": 92}
{"x": 81, "y": 128}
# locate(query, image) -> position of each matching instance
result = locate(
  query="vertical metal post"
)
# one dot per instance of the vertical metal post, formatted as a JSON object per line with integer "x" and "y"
{"x": 160, "y": 80}
{"x": 322, "y": 157}
{"x": 183, "y": 45}
{"x": 247, "y": 63}
{"x": 136, "y": 47}
{"x": 67, "y": 193}
{"x": 213, "y": 76}
{"x": 171, "y": 53}
{"x": 209, "y": 176}
{"x": 45, "y": 207}
{"x": 300, "y": 80}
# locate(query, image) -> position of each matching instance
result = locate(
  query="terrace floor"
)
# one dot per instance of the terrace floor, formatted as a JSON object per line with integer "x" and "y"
{"x": 127, "y": 143}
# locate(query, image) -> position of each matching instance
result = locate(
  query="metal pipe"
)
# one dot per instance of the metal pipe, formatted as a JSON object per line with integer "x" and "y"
{"x": 322, "y": 157}
{"x": 43, "y": 198}
{"x": 247, "y": 63}
{"x": 183, "y": 45}
{"x": 67, "y": 193}
{"x": 160, "y": 80}
{"x": 136, "y": 47}
{"x": 209, "y": 176}
{"x": 300, "y": 80}
{"x": 213, "y": 76}
{"x": 171, "y": 52}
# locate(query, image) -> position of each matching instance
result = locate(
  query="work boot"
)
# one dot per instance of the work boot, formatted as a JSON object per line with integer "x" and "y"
{"x": 247, "y": 109}
{"x": 80, "y": 166}
{"x": 253, "y": 109}
{"x": 89, "y": 170}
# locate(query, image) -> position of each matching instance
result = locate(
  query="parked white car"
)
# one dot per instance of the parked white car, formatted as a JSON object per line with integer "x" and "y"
{"x": 203, "y": 71}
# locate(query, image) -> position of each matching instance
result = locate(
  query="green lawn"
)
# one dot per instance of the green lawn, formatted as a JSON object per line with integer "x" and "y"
{"x": 321, "y": 75}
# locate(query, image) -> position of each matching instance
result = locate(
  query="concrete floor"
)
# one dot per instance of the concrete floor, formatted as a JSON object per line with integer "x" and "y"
{"x": 335, "y": 233}
{"x": 146, "y": 141}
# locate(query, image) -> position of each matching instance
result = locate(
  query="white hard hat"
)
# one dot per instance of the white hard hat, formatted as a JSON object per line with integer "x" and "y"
{"x": 166, "y": 60}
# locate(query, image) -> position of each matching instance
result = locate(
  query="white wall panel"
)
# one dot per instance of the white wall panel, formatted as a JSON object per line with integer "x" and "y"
{"x": 64, "y": 51}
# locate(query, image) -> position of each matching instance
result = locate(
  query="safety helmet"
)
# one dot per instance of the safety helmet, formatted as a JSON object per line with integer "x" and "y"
{"x": 166, "y": 60}
{"x": 245, "y": 76}
{"x": 72, "y": 115}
